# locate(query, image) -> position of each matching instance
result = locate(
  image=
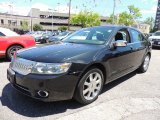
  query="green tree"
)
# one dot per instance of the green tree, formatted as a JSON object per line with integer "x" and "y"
{"x": 62, "y": 28}
{"x": 37, "y": 27}
{"x": 149, "y": 21}
{"x": 110, "y": 19}
{"x": 24, "y": 25}
{"x": 126, "y": 19}
{"x": 135, "y": 12}
{"x": 86, "y": 19}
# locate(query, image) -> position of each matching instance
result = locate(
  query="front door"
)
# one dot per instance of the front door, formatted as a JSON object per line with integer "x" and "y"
{"x": 121, "y": 60}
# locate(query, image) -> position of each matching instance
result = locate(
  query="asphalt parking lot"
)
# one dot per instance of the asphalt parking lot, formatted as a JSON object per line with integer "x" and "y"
{"x": 133, "y": 97}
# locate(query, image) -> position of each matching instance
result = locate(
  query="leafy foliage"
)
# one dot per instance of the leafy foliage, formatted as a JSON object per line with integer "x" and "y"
{"x": 86, "y": 19}
{"x": 24, "y": 25}
{"x": 150, "y": 21}
{"x": 125, "y": 19}
{"x": 62, "y": 28}
{"x": 110, "y": 19}
{"x": 37, "y": 27}
{"x": 135, "y": 12}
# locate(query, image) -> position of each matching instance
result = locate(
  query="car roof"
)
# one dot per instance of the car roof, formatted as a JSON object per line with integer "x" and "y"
{"x": 117, "y": 26}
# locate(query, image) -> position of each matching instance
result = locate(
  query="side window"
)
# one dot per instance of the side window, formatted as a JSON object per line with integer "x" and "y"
{"x": 137, "y": 36}
{"x": 123, "y": 35}
{"x": 1, "y": 34}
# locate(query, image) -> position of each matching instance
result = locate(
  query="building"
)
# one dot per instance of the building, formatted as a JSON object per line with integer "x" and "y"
{"x": 48, "y": 19}
{"x": 157, "y": 19}
{"x": 144, "y": 28}
{"x": 12, "y": 21}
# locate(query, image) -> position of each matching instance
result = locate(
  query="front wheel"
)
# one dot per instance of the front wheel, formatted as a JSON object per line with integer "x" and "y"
{"x": 11, "y": 50}
{"x": 89, "y": 86}
{"x": 144, "y": 67}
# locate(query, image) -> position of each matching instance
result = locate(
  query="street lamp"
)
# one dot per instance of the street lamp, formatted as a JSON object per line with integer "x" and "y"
{"x": 114, "y": 7}
{"x": 11, "y": 12}
{"x": 52, "y": 18}
{"x": 31, "y": 26}
{"x": 69, "y": 12}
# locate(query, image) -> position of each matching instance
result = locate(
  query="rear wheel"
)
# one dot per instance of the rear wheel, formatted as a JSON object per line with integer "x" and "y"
{"x": 144, "y": 67}
{"x": 89, "y": 86}
{"x": 11, "y": 50}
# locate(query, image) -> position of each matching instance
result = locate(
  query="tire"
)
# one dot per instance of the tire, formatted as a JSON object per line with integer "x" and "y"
{"x": 12, "y": 49}
{"x": 94, "y": 88}
{"x": 144, "y": 67}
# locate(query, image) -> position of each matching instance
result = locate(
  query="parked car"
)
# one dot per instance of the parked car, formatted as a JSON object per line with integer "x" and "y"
{"x": 78, "y": 68}
{"x": 11, "y": 42}
{"x": 59, "y": 37}
{"x": 155, "y": 39}
{"x": 45, "y": 36}
{"x": 37, "y": 34}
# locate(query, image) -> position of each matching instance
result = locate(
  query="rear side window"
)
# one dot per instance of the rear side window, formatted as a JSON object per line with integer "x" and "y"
{"x": 137, "y": 36}
{"x": 1, "y": 34}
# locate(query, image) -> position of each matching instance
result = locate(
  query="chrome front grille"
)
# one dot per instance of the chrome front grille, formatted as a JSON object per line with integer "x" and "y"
{"x": 22, "y": 66}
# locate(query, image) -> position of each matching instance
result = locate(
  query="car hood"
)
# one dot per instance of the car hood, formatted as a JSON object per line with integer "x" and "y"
{"x": 62, "y": 52}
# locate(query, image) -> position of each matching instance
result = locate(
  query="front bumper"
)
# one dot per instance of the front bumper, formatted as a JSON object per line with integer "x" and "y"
{"x": 156, "y": 43}
{"x": 59, "y": 87}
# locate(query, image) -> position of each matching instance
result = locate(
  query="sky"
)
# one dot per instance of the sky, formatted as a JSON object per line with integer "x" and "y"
{"x": 103, "y": 7}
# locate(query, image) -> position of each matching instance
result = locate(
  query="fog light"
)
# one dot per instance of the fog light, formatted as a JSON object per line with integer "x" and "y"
{"x": 43, "y": 94}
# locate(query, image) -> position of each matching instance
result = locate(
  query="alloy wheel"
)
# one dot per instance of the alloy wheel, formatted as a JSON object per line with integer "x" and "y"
{"x": 146, "y": 62}
{"x": 14, "y": 49}
{"x": 92, "y": 86}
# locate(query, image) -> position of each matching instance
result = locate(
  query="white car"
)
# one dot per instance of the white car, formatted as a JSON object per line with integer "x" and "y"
{"x": 155, "y": 39}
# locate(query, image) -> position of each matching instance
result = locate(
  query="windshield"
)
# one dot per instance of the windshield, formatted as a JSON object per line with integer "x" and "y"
{"x": 95, "y": 35}
{"x": 157, "y": 34}
{"x": 9, "y": 33}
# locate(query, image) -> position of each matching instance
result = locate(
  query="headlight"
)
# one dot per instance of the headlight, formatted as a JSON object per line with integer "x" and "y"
{"x": 150, "y": 39}
{"x": 41, "y": 38}
{"x": 51, "y": 68}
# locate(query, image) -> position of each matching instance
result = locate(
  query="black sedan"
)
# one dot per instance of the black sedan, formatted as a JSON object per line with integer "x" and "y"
{"x": 80, "y": 65}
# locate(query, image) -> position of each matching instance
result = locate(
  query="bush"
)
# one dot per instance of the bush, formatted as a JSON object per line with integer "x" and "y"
{"x": 62, "y": 28}
{"x": 37, "y": 27}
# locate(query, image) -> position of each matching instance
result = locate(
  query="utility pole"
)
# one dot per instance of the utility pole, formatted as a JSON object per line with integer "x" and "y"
{"x": 69, "y": 14}
{"x": 11, "y": 12}
{"x": 114, "y": 7}
{"x": 31, "y": 26}
{"x": 52, "y": 17}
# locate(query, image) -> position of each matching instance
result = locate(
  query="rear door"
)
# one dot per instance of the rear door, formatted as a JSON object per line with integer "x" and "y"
{"x": 139, "y": 46}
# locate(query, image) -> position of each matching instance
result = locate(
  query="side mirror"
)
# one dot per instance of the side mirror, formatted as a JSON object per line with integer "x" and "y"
{"x": 120, "y": 43}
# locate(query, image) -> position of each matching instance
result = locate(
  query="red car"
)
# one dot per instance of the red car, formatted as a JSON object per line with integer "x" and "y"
{"x": 11, "y": 42}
